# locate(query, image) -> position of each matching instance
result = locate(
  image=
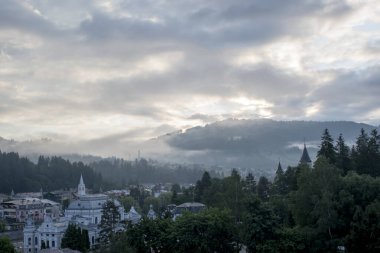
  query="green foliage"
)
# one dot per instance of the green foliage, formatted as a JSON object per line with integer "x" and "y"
{"x": 366, "y": 154}
{"x": 202, "y": 186}
{"x": 250, "y": 183}
{"x": 211, "y": 230}
{"x": 128, "y": 202}
{"x": 119, "y": 245}
{"x": 109, "y": 221}
{"x": 263, "y": 188}
{"x": 279, "y": 182}
{"x": 343, "y": 159}
{"x": 150, "y": 234}
{"x": 327, "y": 148}
{"x": 314, "y": 200}
{"x": 119, "y": 171}
{"x": 259, "y": 227}
{"x": 6, "y": 245}
{"x": 291, "y": 240}
{"x": 2, "y": 226}
{"x": 53, "y": 173}
{"x": 76, "y": 239}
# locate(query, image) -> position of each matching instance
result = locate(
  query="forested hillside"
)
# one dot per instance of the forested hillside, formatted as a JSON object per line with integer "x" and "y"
{"x": 21, "y": 175}
{"x": 256, "y": 144}
{"x": 332, "y": 205}
{"x": 121, "y": 172}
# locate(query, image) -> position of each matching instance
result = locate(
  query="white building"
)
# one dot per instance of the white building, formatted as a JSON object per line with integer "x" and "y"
{"x": 85, "y": 212}
{"x": 90, "y": 205}
{"x": 49, "y": 233}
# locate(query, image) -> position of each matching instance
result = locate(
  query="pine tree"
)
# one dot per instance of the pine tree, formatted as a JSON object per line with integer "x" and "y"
{"x": 263, "y": 188}
{"x": 360, "y": 154}
{"x": 374, "y": 154}
{"x": 109, "y": 221}
{"x": 279, "y": 184}
{"x": 6, "y": 245}
{"x": 76, "y": 238}
{"x": 250, "y": 183}
{"x": 327, "y": 147}
{"x": 343, "y": 160}
{"x": 202, "y": 185}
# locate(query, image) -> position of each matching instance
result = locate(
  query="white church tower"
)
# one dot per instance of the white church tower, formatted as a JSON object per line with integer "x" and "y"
{"x": 81, "y": 187}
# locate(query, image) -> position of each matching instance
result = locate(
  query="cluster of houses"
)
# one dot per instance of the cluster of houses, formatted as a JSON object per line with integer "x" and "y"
{"x": 44, "y": 225}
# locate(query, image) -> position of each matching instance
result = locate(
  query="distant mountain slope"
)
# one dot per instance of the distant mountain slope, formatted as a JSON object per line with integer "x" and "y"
{"x": 257, "y": 144}
{"x": 253, "y": 144}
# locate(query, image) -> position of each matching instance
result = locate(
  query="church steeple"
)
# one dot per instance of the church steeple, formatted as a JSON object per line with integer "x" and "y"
{"x": 305, "y": 158}
{"x": 279, "y": 167}
{"x": 81, "y": 187}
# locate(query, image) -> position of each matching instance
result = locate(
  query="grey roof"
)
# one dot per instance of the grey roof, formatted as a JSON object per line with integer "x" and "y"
{"x": 90, "y": 202}
{"x": 133, "y": 215}
{"x": 305, "y": 158}
{"x": 191, "y": 204}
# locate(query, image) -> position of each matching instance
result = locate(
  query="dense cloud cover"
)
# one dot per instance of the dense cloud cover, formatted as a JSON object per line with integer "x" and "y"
{"x": 105, "y": 74}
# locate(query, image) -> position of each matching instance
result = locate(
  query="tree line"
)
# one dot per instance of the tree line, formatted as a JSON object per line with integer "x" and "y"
{"x": 122, "y": 172}
{"x": 333, "y": 205}
{"x": 21, "y": 175}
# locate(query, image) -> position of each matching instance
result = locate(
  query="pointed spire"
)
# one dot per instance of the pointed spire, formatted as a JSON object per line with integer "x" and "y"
{"x": 81, "y": 187}
{"x": 279, "y": 167}
{"x": 305, "y": 158}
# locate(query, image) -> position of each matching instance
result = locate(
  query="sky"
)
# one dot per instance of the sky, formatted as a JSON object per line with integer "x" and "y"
{"x": 78, "y": 70}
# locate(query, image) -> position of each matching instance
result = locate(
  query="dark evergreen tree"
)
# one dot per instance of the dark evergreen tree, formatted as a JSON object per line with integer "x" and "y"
{"x": 360, "y": 154}
{"x": 202, "y": 186}
{"x": 290, "y": 178}
{"x": 374, "y": 154}
{"x": 327, "y": 147}
{"x": 209, "y": 231}
{"x": 343, "y": 160}
{"x": 279, "y": 184}
{"x": 263, "y": 188}
{"x": 109, "y": 221}
{"x": 6, "y": 245}
{"x": 76, "y": 238}
{"x": 250, "y": 183}
{"x": 259, "y": 228}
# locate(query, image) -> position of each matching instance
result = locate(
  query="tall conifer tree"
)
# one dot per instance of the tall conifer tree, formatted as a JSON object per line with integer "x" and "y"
{"x": 327, "y": 147}
{"x": 343, "y": 160}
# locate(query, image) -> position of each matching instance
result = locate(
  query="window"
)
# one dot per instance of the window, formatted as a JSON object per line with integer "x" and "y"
{"x": 29, "y": 241}
{"x": 36, "y": 240}
{"x": 96, "y": 220}
{"x": 52, "y": 244}
{"x": 93, "y": 240}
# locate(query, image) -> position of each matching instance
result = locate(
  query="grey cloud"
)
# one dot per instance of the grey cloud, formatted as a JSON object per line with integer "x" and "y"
{"x": 204, "y": 117}
{"x": 350, "y": 95}
{"x": 13, "y": 14}
{"x": 214, "y": 23}
{"x": 272, "y": 83}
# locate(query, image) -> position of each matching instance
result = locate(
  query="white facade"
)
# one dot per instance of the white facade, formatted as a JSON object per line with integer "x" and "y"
{"x": 85, "y": 212}
{"x": 48, "y": 233}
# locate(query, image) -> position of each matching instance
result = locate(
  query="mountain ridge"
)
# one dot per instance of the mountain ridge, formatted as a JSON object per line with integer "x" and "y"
{"x": 258, "y": 144}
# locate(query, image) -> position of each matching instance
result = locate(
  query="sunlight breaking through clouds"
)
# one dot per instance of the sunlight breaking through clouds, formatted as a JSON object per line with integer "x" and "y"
{"x": 87, "y": 69}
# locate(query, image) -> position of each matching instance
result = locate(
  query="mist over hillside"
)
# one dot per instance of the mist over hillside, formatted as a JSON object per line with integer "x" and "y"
{"x": 256, "y": 144}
